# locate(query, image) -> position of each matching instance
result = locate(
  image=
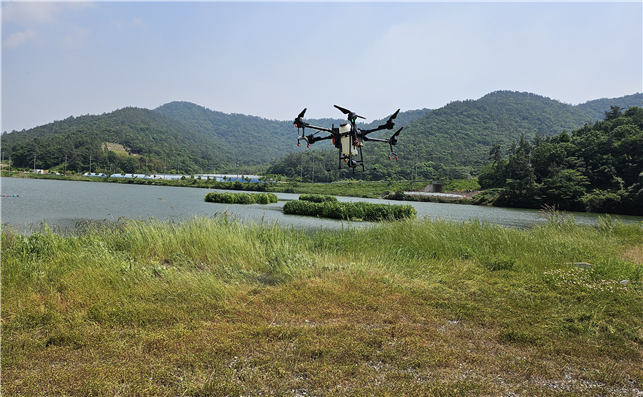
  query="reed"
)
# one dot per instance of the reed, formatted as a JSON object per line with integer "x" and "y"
{"x": 350, "y": 211}
{"x": 213, "y": 306}
{"x": 317, "y": 198}
{"x": 241, "y": 198}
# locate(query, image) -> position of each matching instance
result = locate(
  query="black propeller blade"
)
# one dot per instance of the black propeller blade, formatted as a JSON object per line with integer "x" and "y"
{"x": 390, "y": 123}
{"x": 393, "y": 139}
{"x": 298, "y": 123}
{"x": 350, "y": 114}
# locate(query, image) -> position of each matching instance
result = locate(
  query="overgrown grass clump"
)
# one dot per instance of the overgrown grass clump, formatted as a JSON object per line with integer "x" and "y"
{"x": 211, "y": 306}
{"x": 350, "y": 211}
{"x": 317, "y": 198}
{"x": 241, "y": 198}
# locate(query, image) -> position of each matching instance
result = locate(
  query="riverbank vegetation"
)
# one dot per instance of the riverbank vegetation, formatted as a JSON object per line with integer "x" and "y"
{"x": 350, "y": 211}
{"x": 317, "y": 198}
{"x": 241, "y": 198}
{"x": 211, "y": 306}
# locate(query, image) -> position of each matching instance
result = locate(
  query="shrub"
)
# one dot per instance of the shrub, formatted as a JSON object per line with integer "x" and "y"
{"x": 317, "y": 198}
{"x": 241, "y": 198}
{"x": 350, "y": 211}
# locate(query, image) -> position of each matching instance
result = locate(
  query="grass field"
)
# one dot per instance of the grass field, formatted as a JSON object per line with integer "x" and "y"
{"x": 210, "y": 307}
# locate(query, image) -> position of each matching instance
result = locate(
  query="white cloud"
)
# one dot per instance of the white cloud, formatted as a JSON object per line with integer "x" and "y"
{"x": 16, "y": 39}
{"x": 76, "y": 38}
{"x": 37, "y": 13}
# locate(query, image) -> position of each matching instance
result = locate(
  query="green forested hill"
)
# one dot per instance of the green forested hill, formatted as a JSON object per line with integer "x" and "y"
{"x": 253, "y": 140}
{"x": 455, "y": 140}
{"x": 596, "y": 109}
{"x": 461, "y": 133}
{"x": 154, "y": 141}
{"x": 246, "y": 139}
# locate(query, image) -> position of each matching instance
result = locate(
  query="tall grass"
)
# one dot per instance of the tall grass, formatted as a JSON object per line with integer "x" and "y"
{"x": 210, "y": 306}
{"x": 241, "y": 198}
{"x": 317, "y": 198}
{"x": 350, "y": 211}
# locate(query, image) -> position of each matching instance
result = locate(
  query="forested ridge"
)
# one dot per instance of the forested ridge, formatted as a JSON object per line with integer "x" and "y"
{"x": 597, "y": 168}
{"x": 154, "y": 142}
{"x": 184, "y": 137}
{"x": 454, "y": 141}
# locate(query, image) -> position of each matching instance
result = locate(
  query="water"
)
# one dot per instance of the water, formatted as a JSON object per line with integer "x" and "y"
{"x": 61, "y": 204}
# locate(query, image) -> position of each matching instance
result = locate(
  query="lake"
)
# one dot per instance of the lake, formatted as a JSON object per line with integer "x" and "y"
{"x": 61, "y": 204}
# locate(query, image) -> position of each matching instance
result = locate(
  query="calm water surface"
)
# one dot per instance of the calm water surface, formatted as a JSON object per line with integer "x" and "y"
{"x": 61, "y": 204}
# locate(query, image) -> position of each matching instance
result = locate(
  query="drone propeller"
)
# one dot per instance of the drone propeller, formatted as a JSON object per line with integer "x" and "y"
{"x": 389, "y": 123}
{"x": 393, "y": 139}
{"x": 351, "y": 116}
{"x": 298, "y": 122}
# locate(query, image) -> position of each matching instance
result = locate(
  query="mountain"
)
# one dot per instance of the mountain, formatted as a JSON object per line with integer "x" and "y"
{"x": 597, "y": 108}
{"x": 455, "y": 140}
{"x": 253, "y": 140}
{"x": 148, "y": 140}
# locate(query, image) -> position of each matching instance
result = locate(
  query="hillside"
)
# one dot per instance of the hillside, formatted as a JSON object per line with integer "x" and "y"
{"x": 455, "y": 140}
{"x": 153, "y": 141}
{"x": 596, "y": 109}
{"x": 246, "y": 139}
{"x": 253, "y": 140}
{"x": 451, "y": 141}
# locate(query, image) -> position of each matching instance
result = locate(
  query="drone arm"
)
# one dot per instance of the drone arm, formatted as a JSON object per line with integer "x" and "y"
{"x": 312, "y": 138}
{"x": 366, "y": 138}
{"x": 392, "y": 141}
{"x": 303, "y": 124}
{"x": 386, "y": 126}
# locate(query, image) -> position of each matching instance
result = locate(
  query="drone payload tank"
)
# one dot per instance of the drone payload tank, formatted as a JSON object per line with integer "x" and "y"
{"x": 347, "y": 148}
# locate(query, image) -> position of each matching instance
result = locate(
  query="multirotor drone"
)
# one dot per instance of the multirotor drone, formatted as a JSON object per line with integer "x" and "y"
{"x": 347, "y": 138}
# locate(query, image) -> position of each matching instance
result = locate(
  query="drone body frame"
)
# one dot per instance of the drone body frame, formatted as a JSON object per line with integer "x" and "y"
{"x": 348, "y": 138}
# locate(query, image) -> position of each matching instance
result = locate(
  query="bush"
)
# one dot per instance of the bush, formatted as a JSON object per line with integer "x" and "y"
{"x": 350, "y": 211}
{"x": 317, "y": 198}
{"x": 241, "y": 198}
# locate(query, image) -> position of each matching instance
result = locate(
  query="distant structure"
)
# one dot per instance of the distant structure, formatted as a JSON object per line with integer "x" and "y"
{"x": 435, "y": 187}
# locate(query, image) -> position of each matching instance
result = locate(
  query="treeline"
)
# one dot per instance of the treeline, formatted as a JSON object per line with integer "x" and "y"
{"x": 597, "y": 168}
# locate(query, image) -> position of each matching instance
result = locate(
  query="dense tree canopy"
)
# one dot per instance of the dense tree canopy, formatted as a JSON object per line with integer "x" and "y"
{"x": 598, "y": 167}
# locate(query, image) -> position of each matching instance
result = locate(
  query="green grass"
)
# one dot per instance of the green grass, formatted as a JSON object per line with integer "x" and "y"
{"x": 350, "y": 211}
{"x": 215, "y": 307}
{"x": 317, "y": 198}
{"x": 460, "y": 185}
{"x": 241, "y": 198}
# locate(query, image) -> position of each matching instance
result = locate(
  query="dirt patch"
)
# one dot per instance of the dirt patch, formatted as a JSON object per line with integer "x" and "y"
{"x": 634, "y": 254}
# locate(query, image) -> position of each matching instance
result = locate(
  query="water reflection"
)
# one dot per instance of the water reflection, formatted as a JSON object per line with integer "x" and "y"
{"x": 62, "y": 204}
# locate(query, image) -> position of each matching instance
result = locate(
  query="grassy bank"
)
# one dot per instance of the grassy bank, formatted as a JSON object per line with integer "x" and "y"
{"x": 210, "y": 307}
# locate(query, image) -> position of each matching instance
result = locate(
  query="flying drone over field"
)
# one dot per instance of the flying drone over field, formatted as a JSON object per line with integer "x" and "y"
{"x": 347, "y": 138}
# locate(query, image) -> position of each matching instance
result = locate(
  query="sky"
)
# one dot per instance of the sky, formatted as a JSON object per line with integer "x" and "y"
{"x": 272, "y": 59}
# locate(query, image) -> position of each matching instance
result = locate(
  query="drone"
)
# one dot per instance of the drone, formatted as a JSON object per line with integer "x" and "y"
{"x": 347, "y": 138}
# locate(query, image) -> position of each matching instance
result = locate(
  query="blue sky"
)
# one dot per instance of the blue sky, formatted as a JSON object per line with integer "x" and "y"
{"x": 273, "y": 59}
